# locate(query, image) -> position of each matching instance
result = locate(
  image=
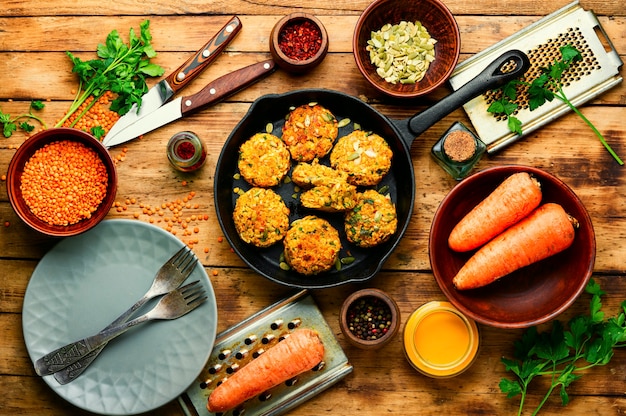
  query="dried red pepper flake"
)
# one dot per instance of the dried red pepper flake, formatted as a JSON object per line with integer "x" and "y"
{"x": 185, "y": 150}
{"x": 300, "y": 40}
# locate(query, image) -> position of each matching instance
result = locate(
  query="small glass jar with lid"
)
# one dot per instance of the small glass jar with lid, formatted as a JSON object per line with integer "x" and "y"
{"x": 439, "y": 341}
{"x": 186, "y": 152}
{"x": 458, "y": 151}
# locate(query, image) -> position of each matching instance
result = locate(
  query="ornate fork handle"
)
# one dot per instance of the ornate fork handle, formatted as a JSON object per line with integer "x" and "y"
{"x": 173, "y": 305}
{"x": 73, "y": 370}
{"x": 69, "y": 354}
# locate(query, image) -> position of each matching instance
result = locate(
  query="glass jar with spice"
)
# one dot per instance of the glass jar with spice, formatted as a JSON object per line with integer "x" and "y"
{"x": 458, "y": 151}
{"x": 186, "y": 152}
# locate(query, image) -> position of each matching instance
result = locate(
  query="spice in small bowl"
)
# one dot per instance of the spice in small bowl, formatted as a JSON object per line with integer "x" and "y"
{"x": 298, "y": 42}
{"x": 186, "y": 152}
{"x": 369, "y": 318}
{"x": 458, "y": 151}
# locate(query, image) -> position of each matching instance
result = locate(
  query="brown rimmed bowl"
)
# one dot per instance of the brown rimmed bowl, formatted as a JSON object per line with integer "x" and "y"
{"x": 26, "y": 151}
{"x": 435, "y": 17}
{"x": 375, "y": 297}
{"x": 532, "y": 295}
{"x": 290, "y": 64}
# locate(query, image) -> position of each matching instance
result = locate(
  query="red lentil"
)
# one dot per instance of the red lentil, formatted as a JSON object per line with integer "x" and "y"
{"x": 64, "y": 182}
{"x": 98, "y": 115}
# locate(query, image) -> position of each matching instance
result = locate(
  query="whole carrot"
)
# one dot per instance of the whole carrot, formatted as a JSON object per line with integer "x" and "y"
{"x": 546, "y": 231}
{"x": 511, "y": 201}
{"x": 300, "y": 351}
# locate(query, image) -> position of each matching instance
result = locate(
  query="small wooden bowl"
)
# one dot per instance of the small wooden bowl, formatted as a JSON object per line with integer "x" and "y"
{"x": 289, "y": 64}
{"x": 26, "y": 151}
{"x": 365, "y": 294}
{"x": 439, "y": 22}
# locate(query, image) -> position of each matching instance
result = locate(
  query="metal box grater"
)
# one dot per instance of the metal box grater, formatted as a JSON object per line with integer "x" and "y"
{"x": 241, "y": 343}
{"x": 596, "y": 73}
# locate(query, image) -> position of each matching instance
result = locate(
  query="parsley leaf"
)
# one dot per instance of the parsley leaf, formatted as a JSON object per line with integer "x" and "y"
{"x": 121, "y": 68}
{"x": 562, "y": 353}
{"x": 545, "y": 88}
{"x": 10, "y": 125}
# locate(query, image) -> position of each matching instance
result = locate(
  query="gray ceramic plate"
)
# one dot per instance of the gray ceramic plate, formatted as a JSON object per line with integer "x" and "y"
{"x": 85, "y": 282}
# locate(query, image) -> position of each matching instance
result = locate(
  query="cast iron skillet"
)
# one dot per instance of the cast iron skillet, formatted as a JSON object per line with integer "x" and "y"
{"x": 400, "y": 181}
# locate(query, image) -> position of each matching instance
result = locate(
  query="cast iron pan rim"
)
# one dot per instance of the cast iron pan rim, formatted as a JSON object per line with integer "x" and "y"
{"x": 404, "y": 143}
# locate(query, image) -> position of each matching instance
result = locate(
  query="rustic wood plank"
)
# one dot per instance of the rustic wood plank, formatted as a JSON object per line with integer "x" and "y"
{"x": 278, "y": 7}
{"x": 477, "y": 32}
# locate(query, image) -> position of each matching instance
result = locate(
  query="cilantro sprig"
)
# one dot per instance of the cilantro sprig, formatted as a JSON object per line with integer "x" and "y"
{"x": 11, "y": 124}
{"x": 545, "y": 88}
{"x": 562, "y": 354}
{"x": 120, "y": 68}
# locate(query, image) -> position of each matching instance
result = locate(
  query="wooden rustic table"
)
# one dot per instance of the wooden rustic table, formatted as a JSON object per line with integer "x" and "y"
{"x": 34, "y": 36}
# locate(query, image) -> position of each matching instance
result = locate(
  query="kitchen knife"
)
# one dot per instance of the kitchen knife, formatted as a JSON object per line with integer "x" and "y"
{"x": 177, "y": 80}
{"x": 212, "y": 93}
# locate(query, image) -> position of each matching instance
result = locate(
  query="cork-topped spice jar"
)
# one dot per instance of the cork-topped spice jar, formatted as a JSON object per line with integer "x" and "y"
{"x": 458, "y": 150}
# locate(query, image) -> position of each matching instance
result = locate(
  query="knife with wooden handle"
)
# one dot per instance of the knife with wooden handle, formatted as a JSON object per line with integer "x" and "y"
{"x": 212, "y": 93}
{"x": 163, "y": 91}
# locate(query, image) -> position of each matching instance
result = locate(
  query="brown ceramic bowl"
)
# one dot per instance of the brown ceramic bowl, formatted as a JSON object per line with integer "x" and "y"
{"x": 26, "y": 151}
{"x": 439, "y": 22}
{"x": 294, "y": 64}
{"x": 531, "y": 295}
{"x": 375, "y": 297}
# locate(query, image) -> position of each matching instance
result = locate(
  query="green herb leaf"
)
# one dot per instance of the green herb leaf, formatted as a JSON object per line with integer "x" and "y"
{"x": 544, "y": 89}
{"x": 558, "y": 353}
{"x": 120, "y": 68}
{"x": 511, "y": 388}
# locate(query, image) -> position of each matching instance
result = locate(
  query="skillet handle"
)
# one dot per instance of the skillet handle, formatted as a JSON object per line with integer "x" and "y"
{"x": 491, "y": 77}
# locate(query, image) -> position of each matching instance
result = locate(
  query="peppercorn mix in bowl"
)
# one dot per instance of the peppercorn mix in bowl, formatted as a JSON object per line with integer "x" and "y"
{"x": 61, "y": 182}
{"x": 406, "y": 49}
{"x": 369, "y": 318}
{"x": 298, "y": 42}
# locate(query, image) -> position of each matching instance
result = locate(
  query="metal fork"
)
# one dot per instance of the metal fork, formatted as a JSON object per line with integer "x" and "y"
{"x": 171, "y": 275}
{"x": 173, "y": 305}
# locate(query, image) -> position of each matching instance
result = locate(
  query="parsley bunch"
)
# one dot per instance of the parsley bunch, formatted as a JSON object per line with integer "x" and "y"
{"x": 10, "y": 124}
{"x": 563, "y": 353}
{"x": 544, "y": 88}
{"x": 120, "y": 68}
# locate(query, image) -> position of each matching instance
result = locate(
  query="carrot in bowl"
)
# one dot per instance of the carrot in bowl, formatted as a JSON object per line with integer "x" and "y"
{"x": 299, "y": 352}
{"x": 548, "y": 230}
{"x": 511, "y": 201}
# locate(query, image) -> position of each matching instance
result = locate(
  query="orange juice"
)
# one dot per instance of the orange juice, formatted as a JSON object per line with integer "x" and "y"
{"x": 439, "y": 341}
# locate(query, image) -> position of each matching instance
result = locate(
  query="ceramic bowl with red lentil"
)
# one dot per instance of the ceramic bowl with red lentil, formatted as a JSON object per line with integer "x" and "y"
{"x": 61, "y": 182}
{"x": 298, "y": 42}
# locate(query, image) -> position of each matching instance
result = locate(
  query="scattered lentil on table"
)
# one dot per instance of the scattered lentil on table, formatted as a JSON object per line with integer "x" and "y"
{"x": 98, "y": 114}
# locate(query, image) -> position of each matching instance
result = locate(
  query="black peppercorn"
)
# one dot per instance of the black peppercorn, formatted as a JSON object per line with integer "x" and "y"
{"x": 369, "y": 318}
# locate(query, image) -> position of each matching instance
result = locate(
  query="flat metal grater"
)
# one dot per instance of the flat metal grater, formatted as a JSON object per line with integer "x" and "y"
{"x": 596, "y": 73}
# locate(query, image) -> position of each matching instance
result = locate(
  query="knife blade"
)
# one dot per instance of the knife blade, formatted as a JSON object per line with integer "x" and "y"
{"x": 163, "y": 91}
{"x": 212, "y": 93}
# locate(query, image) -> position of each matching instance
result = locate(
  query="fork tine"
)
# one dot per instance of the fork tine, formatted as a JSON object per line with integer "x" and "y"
{"x": 190, "y": 286}
{"x": 190, "y": 297}
{"x": 181, "y": 256}
{"x": 180, "y": 253}
{"x": 189, "y": 264}
{"x": 194, "y": 303}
